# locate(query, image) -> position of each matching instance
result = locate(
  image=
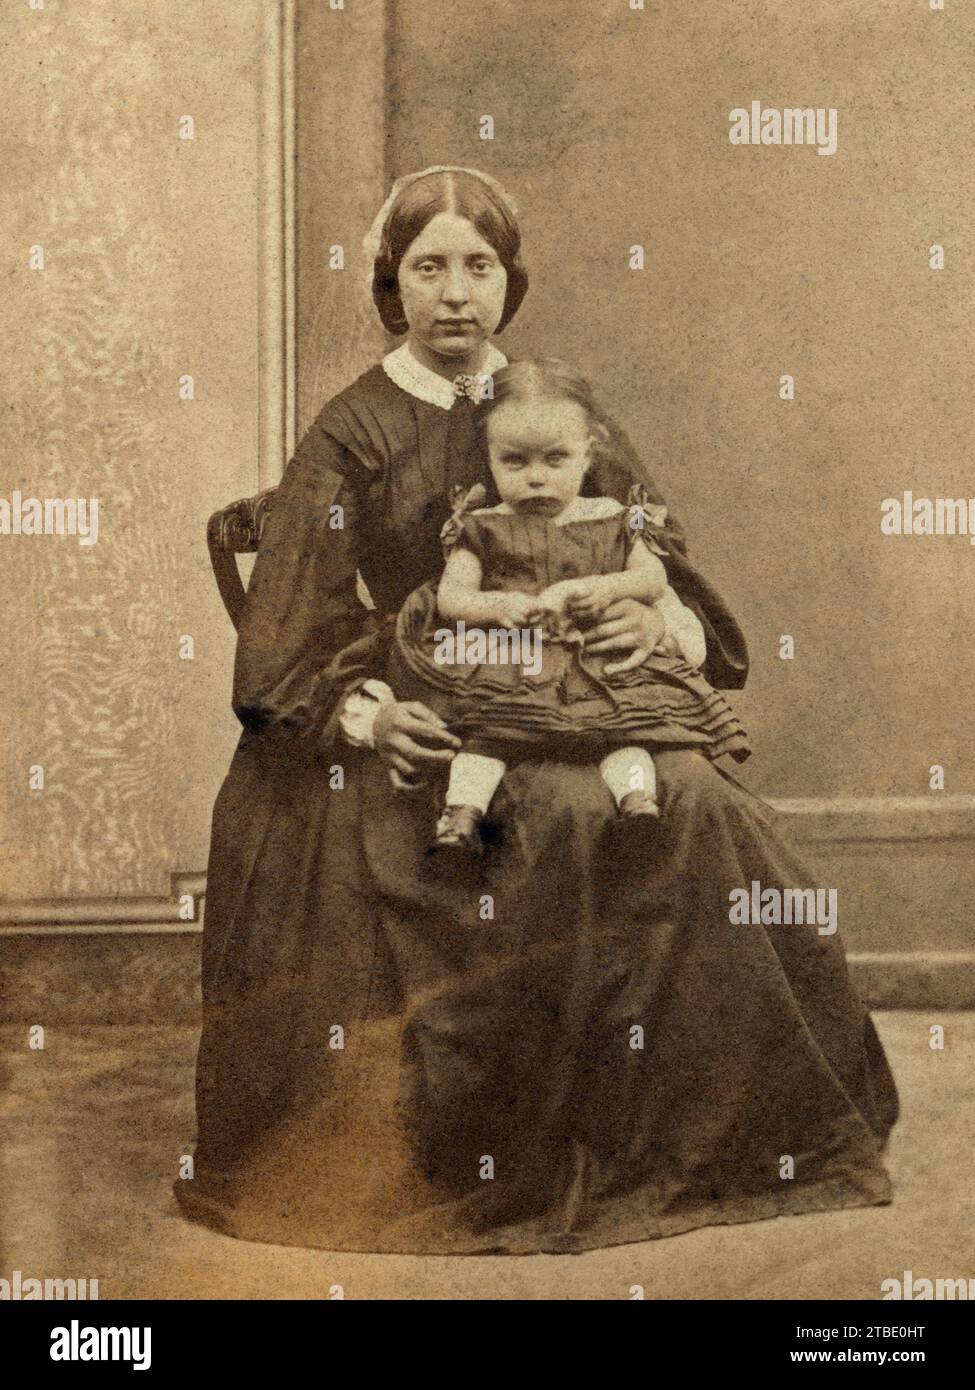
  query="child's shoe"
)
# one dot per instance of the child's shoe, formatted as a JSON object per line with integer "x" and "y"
{"x": 458, "y": 834}
{"x": 639, "y": 803}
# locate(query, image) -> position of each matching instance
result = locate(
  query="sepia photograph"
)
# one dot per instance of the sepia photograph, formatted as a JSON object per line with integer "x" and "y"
{"x": 486, "y": 531}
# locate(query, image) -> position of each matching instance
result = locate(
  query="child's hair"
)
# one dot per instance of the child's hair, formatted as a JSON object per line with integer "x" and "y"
{"x": 615, "y": 464}
{"x": 545, "y": 379}
{"x": 465, "y": 194}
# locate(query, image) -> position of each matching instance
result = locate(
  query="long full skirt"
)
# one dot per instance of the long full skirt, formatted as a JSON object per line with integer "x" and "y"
{"x": 570, "y": 1046}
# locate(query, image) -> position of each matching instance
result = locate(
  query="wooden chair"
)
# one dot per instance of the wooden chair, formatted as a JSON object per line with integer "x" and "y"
{"x": 236, "y": 530}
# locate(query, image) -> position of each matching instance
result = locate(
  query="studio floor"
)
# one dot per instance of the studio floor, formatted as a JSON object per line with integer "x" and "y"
{"x": 94, "y": 1124}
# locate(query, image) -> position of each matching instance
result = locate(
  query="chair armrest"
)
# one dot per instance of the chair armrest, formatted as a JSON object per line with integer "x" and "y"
{"x": 236, "y": 530}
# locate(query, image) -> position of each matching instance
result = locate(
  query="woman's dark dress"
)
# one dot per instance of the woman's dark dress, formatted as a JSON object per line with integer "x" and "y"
{"x": 393, "y": 1063}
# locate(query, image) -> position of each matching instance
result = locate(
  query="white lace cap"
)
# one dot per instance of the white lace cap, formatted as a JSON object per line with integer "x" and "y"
{"x": 372, "y": 240}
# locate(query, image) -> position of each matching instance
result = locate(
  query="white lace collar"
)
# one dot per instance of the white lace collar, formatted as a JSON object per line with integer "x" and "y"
{"x": 403, "y": 368}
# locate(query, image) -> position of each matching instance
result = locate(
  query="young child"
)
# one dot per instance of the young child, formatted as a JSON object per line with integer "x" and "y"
{"x": 548, "y": 562}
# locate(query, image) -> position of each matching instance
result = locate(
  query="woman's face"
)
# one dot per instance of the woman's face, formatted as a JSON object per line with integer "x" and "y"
{"x": 539, "y": 452}
{"x": 452, "y": 286}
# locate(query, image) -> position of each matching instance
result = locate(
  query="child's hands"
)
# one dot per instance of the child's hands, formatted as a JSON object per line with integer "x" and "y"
{"x": 589, "y": 598}
{"x": 578, "y": 598}
{"x": 556, "y": 597}
{"x": 517, "y": 610}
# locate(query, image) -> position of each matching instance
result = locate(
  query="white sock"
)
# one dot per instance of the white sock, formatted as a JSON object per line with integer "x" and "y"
{"x": 474, "y": 779}
{"x": 628, "y": 770}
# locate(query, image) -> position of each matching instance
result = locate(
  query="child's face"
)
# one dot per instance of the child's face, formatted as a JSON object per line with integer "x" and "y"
{"x": 539, "y": 452}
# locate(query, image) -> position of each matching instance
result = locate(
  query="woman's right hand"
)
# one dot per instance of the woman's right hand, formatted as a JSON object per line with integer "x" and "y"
{"x": 408, "y": 737}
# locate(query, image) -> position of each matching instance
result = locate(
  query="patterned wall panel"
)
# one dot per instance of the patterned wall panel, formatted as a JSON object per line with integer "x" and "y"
{"x": 149, "y": 274}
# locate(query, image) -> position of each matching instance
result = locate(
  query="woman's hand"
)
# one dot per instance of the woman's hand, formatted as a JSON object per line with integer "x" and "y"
{"x": 627, "y": 626}
{"x": 408, "y": 737}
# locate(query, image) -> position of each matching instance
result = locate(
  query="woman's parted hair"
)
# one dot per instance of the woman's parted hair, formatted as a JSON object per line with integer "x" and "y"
{"x": 420, "y": 202}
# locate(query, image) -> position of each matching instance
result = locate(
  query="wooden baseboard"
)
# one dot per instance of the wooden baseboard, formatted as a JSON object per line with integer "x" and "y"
{"x": 123, "y": 916}
{"x": 904, "y": 867}
{"x": 810, "y": 820}
{"x": 940, "y": 981}
{"x": 844, "y": 820}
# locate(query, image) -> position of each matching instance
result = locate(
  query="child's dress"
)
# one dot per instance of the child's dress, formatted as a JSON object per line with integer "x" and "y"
{"x": 570, "y": 701}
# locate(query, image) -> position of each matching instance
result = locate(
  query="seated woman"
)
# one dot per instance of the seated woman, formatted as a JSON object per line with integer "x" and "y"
{"x": 570, "y": 1045}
